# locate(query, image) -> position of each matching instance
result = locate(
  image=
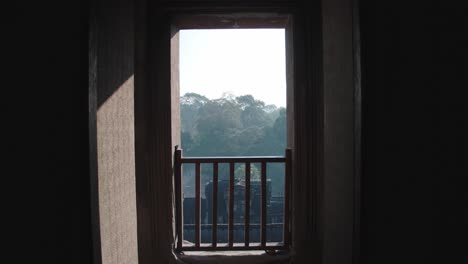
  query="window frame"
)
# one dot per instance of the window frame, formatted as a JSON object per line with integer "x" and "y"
{"x": 319, "y": 214}
{"x": 232, "y": 20}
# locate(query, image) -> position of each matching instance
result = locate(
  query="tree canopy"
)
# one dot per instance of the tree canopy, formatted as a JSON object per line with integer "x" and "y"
{"x": 233, "y": 126}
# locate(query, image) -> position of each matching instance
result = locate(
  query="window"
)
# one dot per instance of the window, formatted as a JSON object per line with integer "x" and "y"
{"x": 218, "y": 220}
{"x": 321, "y": 128}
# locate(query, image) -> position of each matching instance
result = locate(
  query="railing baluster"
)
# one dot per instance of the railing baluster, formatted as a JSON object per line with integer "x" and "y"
{"x": 264, "y": 196}
{"x": 231, "y": 204}
{"x": 247, "y": 204}
{"x": 214, "y": 227}
{"x": 178, "y": 196}
{"x": 197, "y": 204}
{"x": 287, "y": 180}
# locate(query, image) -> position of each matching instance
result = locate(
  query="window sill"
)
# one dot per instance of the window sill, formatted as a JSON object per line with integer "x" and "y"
{"x": 234, "y": 257}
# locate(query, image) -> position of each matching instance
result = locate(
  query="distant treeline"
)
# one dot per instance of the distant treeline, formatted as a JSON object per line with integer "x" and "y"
{"x": 233, "y": 126}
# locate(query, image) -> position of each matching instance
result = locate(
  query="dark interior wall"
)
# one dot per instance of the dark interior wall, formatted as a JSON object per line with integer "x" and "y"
{"x": 413, "y": 141}
{"x": 412, "y": 63}
{"x": 45, "y": 117}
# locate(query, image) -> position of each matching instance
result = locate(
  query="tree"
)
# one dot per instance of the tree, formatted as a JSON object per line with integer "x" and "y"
{"x": 233, "y": 126}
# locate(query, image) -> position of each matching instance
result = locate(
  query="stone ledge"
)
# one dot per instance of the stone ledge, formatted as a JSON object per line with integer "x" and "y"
{"x": 234, "y": 257}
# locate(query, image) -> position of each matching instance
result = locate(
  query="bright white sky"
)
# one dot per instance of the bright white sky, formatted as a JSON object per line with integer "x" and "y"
{"x": 238, "y": 61}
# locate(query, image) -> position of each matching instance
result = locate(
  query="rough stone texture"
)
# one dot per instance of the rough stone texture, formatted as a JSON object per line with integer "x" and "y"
{"x": 234, "y": 257}
{"x": 115, "y": 132}
{"x": 322, "y": 139}
{"x": 116, "y": 174}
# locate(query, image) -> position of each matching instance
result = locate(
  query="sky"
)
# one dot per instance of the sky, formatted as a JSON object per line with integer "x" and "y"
{"x": 237, "y": 61}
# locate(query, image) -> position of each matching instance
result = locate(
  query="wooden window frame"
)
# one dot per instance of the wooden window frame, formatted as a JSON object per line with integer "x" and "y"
{"x": 228, "y": 21}
{"x": 326, "y": 126}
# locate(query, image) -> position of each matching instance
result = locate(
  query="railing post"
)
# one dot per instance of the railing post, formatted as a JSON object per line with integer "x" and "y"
{"x": 214, "y": 226}
{"x": 287, "y": 213}
{"x": 197, "y": 204}
{"x": 264, "y": 202}
{"x": 178, "y": 196}
{"x": 231, "y": 204}
{"x": 247, "y": 204}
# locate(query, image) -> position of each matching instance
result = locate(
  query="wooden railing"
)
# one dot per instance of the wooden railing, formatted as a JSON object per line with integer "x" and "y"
{"x": 247, "y": 245}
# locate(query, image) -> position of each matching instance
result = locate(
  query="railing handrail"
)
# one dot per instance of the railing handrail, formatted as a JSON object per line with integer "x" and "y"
{"x": 236, "y": 159}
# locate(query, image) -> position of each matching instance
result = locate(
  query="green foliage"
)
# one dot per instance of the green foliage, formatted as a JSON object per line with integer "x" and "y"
{"x": 233, "y": 126}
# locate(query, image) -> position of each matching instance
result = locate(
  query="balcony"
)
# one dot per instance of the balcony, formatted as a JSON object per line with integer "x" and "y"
{"x": 221, "y": 217}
